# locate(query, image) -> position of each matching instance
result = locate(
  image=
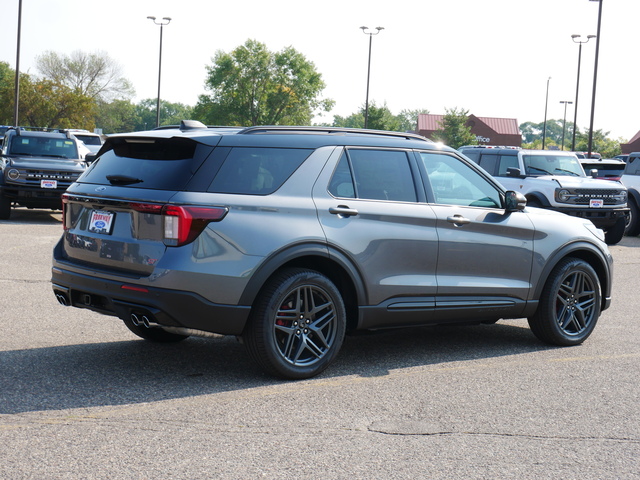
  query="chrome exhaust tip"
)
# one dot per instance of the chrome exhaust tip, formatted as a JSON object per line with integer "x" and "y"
{"x": 135, "y": 320}
{"x": 62, "y": 299}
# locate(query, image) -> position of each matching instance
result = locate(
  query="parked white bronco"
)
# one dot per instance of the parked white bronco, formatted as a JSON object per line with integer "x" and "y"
{"x": 556, "y": 180}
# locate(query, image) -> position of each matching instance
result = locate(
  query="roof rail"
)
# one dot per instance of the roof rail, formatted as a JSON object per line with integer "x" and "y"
{"x": 330, "y": 131}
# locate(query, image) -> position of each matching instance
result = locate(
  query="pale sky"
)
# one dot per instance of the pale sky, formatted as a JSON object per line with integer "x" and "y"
{"x": 491, "y": 57}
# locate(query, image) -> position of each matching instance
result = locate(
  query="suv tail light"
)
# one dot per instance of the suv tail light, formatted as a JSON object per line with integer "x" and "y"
{"x": 182, "y": 224}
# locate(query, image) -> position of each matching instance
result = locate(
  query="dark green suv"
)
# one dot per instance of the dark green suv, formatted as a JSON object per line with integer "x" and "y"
{"x": 291, "y": 237}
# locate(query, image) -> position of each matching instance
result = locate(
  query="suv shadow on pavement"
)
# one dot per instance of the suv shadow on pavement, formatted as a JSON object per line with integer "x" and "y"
{"x": 26, "y": 216}
{"x": 130, "y": 372}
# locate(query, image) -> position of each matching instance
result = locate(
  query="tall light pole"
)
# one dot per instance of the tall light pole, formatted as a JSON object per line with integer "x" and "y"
{"x": 575, "y": 110}
{"x": 544, "y": 127}
{"x": 162, "y": 23}
{"x": 564, "y": 121}
{"x": 366, "y": 104}
{"x": 595, "y": 78}
{"x": 16, "y": 93}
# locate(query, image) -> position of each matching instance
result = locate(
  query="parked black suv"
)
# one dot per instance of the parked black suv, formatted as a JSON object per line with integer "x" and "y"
{"x": 36, "y": 167}
{"x": 288, "y": 237}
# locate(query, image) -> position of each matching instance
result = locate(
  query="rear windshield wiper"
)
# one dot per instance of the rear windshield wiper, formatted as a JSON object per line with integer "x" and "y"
{"x": 122, "y": 179}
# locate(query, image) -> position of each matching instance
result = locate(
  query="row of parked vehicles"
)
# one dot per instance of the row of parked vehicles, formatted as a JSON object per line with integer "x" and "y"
{"x": 292, "y": 237}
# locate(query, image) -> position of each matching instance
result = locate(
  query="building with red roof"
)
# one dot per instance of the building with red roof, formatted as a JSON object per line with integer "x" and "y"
{"x": 632, "y": 146}
{"x": 488, "y": 130}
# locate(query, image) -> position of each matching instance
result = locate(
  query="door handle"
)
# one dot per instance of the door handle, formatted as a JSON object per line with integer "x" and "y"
{"x": 458, "y": 220}
{"x": 343, "y": 211}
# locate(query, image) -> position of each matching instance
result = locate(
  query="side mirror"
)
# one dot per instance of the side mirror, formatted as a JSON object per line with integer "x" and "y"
{"x": 514, "y": 201}
{"x": 90, "y": 158}
{"x": 593, "y": 172}
{"x": 514, "y": 172}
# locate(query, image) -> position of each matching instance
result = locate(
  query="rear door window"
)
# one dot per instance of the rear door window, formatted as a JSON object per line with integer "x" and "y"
{"x": 374, "y": 175}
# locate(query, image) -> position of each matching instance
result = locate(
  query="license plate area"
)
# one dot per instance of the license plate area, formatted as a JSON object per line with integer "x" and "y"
{"x": 101, "y": 222}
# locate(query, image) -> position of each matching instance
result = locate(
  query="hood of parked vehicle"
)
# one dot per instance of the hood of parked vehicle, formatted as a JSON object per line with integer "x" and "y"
{"x": 47, "y": 163}
{"x": 566, "y": 181}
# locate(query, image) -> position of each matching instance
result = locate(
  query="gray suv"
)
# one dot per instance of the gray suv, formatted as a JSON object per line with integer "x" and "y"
{"x": 36, "y": 167}
{"x": 291, "y": 237}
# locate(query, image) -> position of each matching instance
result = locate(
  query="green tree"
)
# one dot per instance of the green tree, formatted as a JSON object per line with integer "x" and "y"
{"x": 170, "y": 113}
{"x": 454, "y": 131}
{"x": 355, "y": 120}
{"x": 7, "y": 86}
{"x": 46, "y": 104}
{"x": 117, "y": 116}
{"x": 253, "y": 86}
{"x": 601, "y": 143}
{"x": 532, "y": 133}
{"x": 409, "y": 119}
{"x": 380, "y": 118}
{"x": 43, "y": 103}
{"x": 94, "y": 75}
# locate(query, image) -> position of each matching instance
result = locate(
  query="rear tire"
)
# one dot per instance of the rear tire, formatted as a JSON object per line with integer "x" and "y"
{"x": 615, "y": 233}
{"x": 570, "y": 304}
{"x": 297, "y": 324}
{"x": 154, "y": 334}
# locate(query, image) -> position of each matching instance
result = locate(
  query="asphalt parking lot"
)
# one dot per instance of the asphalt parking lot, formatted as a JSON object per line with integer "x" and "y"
{"x": 82, "y": 397}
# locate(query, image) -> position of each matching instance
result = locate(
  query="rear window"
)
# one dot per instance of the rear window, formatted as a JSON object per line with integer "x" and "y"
{"x": 88, "y": 139}
{"x": 257, "y": 171}
{"x": 604, "y": 169}
{"x": 162, "y": 164}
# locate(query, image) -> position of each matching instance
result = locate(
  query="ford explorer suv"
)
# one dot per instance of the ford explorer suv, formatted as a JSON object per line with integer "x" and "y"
{"x": 291, "y": 237}
{"x": 555, "y": 180}
{"x": 36, "y": 167}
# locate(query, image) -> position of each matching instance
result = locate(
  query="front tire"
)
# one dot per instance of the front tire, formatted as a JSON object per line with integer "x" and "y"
{"x": 633, "y": 221}
{"x": 297, "y": 324}
{"x": 569, "y": 306}
{"x": 615, "y": 233}
{"x": 5, "y": 208}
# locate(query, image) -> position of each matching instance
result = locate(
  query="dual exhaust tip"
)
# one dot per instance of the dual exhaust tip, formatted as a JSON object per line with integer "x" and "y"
{"x": 142, "y": 320}
{"x": 138, "y": 319}
{"x": 62, "y": 299}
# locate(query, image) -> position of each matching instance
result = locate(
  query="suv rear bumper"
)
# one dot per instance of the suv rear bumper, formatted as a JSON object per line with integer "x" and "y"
{"x": 163, "y": 307}
{"x": 601, "y": 218}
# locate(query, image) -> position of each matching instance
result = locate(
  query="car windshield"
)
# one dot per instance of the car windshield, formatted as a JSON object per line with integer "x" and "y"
{"x": 552, "y": 165}
{"x": 55, "y": 147}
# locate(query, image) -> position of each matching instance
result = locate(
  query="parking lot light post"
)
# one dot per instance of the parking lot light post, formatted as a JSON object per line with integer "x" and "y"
{"x": 16, "y": 93}
{"x": 595, "y": 77}
{"x": 162, "y": 23}
{"x": 366, "y": 104}
{"x": 564, "y": 120}
{"x": 544, "y": 127}
{"x": 576, "y": 38}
